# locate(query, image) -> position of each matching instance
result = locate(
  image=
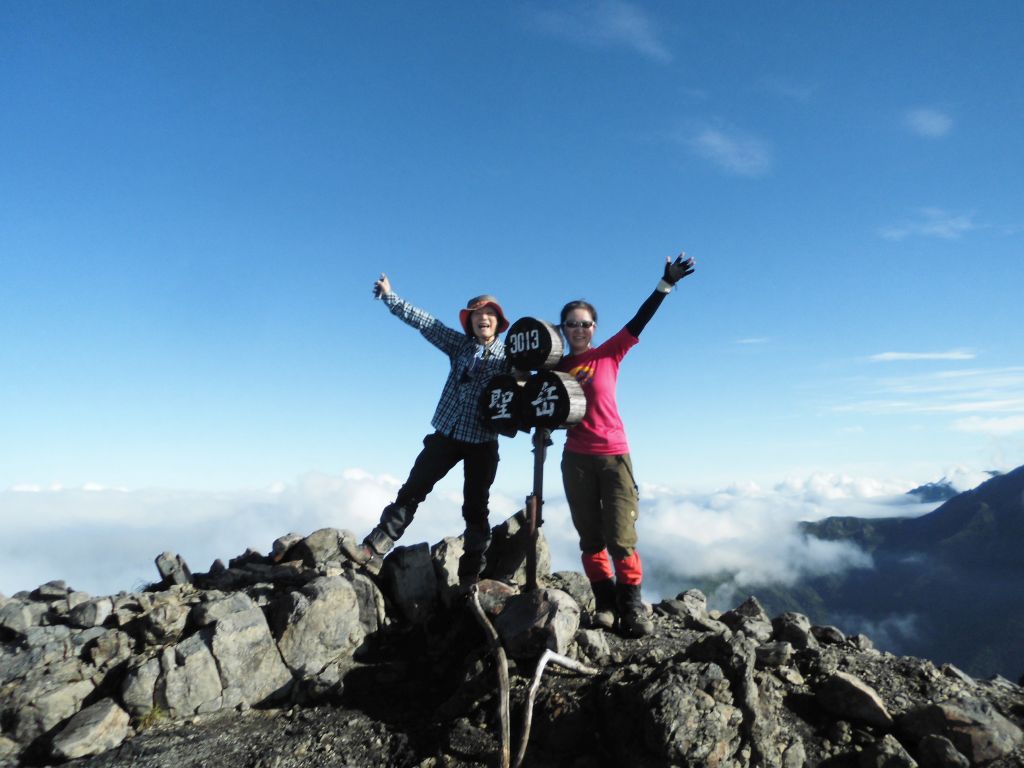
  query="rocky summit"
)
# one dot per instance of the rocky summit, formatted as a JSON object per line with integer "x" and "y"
{"x": 292, "y": 658}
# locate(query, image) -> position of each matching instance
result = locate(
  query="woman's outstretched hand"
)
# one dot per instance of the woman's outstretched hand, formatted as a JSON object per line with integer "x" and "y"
{"x": 678, "y": 269}
{"x": 382, "y": 286}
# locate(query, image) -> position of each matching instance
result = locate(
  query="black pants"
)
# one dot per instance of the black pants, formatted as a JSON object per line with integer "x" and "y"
{"x": 440, "y": 453}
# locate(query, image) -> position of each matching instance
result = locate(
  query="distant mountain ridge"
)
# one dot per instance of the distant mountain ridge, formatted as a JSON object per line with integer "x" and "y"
{"x": 967, "y": 552}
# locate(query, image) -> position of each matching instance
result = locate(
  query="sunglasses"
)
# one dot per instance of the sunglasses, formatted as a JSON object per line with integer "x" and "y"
{"x": 579, "y": 323}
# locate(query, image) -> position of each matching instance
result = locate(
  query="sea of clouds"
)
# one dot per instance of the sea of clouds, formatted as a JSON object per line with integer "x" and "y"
{"x": 103, "y": 541}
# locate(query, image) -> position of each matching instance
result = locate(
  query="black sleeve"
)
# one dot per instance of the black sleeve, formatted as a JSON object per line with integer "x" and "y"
{"x": 645, "y": 313}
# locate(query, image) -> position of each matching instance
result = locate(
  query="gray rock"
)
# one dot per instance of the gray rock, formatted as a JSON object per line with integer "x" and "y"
{"x": 885, "y": 753}
{"x": 794, "y": 755}
{"x": 95, "y": 729}
{"x": 828, "y": 635}
{"x": 282, "y": 545}
{"x": 189, "y": 682}
{"x": 173, "y": 569}
{"x": 692, "y": 607}
{"x": 958, "y": 674}
{"x": 510, "y": 543}
{"x": 749, "y": 618}
{"x": 688, "y": 716}
{"x": 774, "y": 655}
{"x": 850, "y": 698}
{"x": 109, "y": 648}
{"x": 445, "y": 556}
{"x": 91, "y": 613}
{"x": 974, "y": 727}
{"x": 794, "y": 628}
{"x": 139, "y": 687}
{"x": 251, "y": 668}
{"x": 322, "y": 627}
{"x": 412, "y": 582}
{"x": 45, "y": 700}
{"x": 51, "y": 591}
{"x": 16, "y": 617}
{"x": 372, "y": 611}
{"x": 938, "y": 752}
{"x": 593, "y": 644}
{"x": 219, "y": 607}
{"x": 861, "y": 642}
{"x": 538, "y": 620}
{"x": 9, "y": 750}
{"x": 320, "y": 547}
{"x": 165, "y": 623}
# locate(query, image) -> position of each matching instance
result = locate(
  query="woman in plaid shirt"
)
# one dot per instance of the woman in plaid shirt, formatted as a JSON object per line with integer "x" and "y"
{"x": 476, "y": 354}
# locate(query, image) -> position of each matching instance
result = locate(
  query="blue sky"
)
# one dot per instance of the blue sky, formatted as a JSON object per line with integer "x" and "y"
{"x": 195, "y": 199}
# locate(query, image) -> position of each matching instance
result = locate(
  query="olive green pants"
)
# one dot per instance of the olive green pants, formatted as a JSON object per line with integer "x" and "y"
{"x": 603, "y": 500}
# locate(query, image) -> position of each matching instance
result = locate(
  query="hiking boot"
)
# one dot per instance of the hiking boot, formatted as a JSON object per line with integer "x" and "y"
{"x": 604, "y": 604}
{"x": 633, "y": 618}
{"x": 370, "y": 554}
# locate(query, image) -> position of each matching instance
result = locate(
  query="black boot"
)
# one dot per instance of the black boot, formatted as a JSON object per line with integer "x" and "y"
{"x": 633, "y": 618}
{"x": 370, "y": 554}
{"x": 475, "y": 541}
{"x": 604, "y": 604}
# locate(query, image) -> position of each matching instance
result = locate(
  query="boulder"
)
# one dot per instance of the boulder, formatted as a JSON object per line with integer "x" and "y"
{"x": 445, "y": 556}
{"x": 320, "y": 547}
{"x": 774, "y": 655}
{"x": 850, "y": 698}
{"x": 794, "y": 628}
{"x": 828, "y": 635}
{"x": 250, "y": 665}
{"x": 173, "y": 569}
{"x": 16, "y": 617}
{"x": 138, "y": 691}
{"x": 692, "y": 607}
{"x": 688, "y": 716}
{"x": 538, "y": 620}
{"x": 750, "y": 618}
{"x": 109, "y": 648}
{"x": 938, "y": 752}
{"x": 91, "y": 613}
{"x": 95, "y": 729}
{"x": 510, "y": 543}
{"x": 189, "y": 682}
{"x": 45, "y": 699}
{"x": 412, "y": 582}
{"x": 51, "y": 591}
{"x": 887, "y": 752}
{"x": 282, "y": 546}
{"x": 973, "y": 726}
{"x": 321, "y": 626}
{"x": 165, "y": 623}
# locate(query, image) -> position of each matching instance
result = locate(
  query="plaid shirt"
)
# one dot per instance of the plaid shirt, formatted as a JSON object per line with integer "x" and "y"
{"x": 472, "y": 366}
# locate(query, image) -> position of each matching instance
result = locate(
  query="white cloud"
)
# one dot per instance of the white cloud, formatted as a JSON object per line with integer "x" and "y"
{"x": 752, "y": 534}
{"x": 737, "y": 153}
{"x": 1007, "y": 425}
{"x": 606, "y": 24}
{"x": 932, "y": 222}
{"x": 754, "y": 340}
{"x": 977, "y": 391}
{"x": 953, "y": 354}
{"x": 105, "y": 541}
{"x": 929, "y": 123}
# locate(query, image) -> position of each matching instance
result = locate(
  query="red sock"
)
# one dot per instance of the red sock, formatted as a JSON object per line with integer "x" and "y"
{"x": 629, "y": 570}
{"x": 596, "y": 566}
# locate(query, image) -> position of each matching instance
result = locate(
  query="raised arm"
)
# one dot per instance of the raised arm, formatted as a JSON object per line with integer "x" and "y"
{"x": 437, "y": 333}
{"x": 674, "y": 272}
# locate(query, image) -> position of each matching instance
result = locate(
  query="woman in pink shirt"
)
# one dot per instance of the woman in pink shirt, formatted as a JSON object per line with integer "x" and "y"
{"x": 596, "y": 468}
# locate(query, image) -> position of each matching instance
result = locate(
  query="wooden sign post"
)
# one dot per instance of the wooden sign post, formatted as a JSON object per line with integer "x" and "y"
{"x": 543, "y": 402}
